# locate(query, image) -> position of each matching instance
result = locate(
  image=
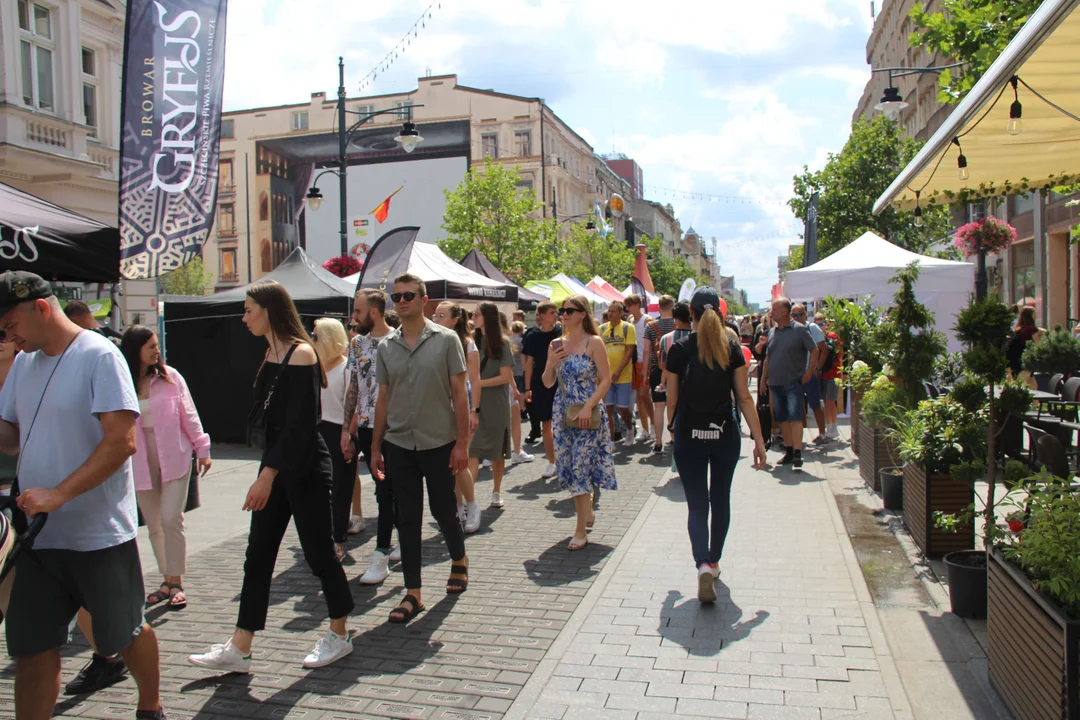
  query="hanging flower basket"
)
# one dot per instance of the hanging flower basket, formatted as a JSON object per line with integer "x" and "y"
{"x": 995, "y": 235}
{"x": 343, "y": 265}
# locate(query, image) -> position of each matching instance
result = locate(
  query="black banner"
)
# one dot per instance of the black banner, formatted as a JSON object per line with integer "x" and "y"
{"x": 174, "y": 72}
{"x": 388, "y": 258}
{"x": 810, "y": 233}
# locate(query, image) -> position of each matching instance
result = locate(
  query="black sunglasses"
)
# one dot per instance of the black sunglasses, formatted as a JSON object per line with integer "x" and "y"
{"x": 569, "y": 311}
{"x": 407, "y": 296}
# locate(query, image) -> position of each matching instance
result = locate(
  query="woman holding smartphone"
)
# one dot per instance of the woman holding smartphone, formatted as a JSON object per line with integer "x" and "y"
{"x": 584, "y": 452}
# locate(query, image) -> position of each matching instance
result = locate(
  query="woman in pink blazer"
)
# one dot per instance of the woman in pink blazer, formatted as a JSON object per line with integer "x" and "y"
{"x": 167, "y": 431}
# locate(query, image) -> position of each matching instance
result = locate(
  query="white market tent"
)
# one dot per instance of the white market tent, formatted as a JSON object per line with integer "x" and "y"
{"x": 864, "y": 268}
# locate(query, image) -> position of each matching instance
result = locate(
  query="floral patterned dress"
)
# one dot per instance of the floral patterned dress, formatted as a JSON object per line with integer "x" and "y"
{"x": 585, "y": 459}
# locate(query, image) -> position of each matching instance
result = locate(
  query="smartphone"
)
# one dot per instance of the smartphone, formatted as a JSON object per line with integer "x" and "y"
{"x": 556, "y": 344}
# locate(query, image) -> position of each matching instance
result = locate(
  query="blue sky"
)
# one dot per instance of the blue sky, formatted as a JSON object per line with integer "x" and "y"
{"x": 709, "y": 96}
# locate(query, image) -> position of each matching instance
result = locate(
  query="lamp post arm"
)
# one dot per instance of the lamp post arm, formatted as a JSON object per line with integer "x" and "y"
{"x": 332, "y": 171}
{"x": 898, "y": 72}
{"x": 364, "y": 117}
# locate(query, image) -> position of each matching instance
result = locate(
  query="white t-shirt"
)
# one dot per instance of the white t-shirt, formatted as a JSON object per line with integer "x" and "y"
{"x": 333, "y": 395}
{"x": 639, "y": 328}
{"x": 93, "y": 378}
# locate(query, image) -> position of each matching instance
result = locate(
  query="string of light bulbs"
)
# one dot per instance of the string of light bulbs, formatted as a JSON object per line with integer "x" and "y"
{"x": 406, "y": 40}
{"x": 728, "y": 199}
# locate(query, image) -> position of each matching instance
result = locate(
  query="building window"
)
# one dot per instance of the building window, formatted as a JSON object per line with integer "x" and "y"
{"x": 36, "y": 54}
{"x": 403, "y": 111}
{"x": 226, "y": 219}
{"x": 364, "y": 110}
{"x": 225, "y": 172}
{"x": 89, "y": 90}
{"x": 228, "y": 129}
{"x": 88, "y": 62}
{"x": 228, "y": 265}
{"x": 489, "y": 144}
{"x": 525, "y": 186}
{"x": 523, "y": 143}
{"x": 300, "y": 120}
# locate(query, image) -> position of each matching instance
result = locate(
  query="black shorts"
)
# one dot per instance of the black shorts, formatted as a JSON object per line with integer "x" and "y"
{"x": 543, "y": 402}
{"x": 656, "y": 377}
{"x": 51, "y": 585}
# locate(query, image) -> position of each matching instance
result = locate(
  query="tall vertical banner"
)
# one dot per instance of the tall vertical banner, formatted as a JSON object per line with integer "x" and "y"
{"x": 810, "y": 232}
{"x": 174, "y": 74}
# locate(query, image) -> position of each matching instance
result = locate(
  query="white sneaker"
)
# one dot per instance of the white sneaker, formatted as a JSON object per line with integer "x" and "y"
{"x": 706, "y": 591}
{"x": 629, "y": 440}
{"x": 486, "y": 464}
{"x": 472, "y": 518}
{"x": 496, "y": 500}
{"x": 356, "y": 525}
{"x": 223, "y": 657}
{"x": 821, "y": 439}
{"x": 521, "y": 457}
{"x": 461, "y": 515}
{"x": 378, "y": 570}
{"x": 395, "y": 554}
{"x": 550, "y": 471}
{"x": 643, "y": 436}
{"x": 832, "y": 432}
{"x": 330, "y": 648}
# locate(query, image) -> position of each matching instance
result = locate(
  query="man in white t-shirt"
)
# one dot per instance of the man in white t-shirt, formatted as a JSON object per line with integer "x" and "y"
{"x": 641, "y": 365}
{"x": 813, "y": 388}
{"x": 74, "y": 427}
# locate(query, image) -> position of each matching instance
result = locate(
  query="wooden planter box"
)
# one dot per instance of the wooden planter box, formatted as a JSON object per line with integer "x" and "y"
{"x": 923, "y": 495}
{"x": 855, "y": 406}
{"x": 1032, "y": 647}
{"x": 875, "y": 452}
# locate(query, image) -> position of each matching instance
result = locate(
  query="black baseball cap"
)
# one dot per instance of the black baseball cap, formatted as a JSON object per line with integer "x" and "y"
{"x": 705, "y": 298}
{"x": 19, "y": 286}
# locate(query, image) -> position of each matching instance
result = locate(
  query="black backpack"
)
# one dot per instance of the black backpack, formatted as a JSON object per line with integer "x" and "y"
{"x": 830, "y": 358}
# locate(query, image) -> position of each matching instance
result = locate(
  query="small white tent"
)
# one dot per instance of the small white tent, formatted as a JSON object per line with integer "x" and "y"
{"x": 864, "y": 268}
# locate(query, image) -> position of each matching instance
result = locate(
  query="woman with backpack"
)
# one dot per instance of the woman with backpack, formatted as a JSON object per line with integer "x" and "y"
{"x": 711, "y": 366}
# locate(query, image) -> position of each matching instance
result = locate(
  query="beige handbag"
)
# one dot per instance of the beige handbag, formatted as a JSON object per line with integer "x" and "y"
{"x": 572, "y": 412}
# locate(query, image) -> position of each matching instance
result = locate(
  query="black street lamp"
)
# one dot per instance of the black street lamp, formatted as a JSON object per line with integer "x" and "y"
{"x": 980, "y": 263}
{"x": 408, "y": 138}
{"x": 891, "y": 104}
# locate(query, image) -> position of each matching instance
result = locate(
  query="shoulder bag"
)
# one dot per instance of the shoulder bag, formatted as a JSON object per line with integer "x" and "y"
{"x": 256, "y": 422}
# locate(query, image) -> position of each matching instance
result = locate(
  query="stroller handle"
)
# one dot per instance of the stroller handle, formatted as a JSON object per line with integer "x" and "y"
{"x": 33, "y": 527}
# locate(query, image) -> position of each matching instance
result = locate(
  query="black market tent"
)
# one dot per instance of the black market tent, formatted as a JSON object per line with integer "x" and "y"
{"x": 478, "y": 263}
{"x": 208, "y": 343}
{"x": 54, "y": 242}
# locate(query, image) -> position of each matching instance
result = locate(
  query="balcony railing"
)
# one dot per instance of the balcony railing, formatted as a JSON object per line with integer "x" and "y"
{"x": 226, "y": 187}
{"x": 226, "y": 232}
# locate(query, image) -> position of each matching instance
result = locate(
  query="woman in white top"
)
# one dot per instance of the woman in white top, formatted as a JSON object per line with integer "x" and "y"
{"x": 331, "y": 344}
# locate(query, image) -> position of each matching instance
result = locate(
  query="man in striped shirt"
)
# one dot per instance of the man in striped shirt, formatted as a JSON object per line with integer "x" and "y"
{"x": 653, "y": 333}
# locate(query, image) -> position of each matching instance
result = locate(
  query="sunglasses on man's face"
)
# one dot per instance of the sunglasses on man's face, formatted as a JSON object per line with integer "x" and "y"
{"x": 407, "y": 296}
{"x": 568, "y": 311}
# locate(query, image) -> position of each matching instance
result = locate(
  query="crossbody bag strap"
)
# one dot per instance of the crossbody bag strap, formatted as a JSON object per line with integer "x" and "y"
{"x": 281, "y": 371}
{"x": 33, "y": 420}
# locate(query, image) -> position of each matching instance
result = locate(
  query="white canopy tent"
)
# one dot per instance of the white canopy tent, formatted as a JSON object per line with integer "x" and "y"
{"x": 864, "y": 268}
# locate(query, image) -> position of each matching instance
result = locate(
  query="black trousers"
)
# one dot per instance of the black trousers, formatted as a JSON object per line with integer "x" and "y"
{"x": 408, "y": 469}
{"x": 384, "y": 494}
{"x": 306, "y": 501}
{"x": 344, "y": 479}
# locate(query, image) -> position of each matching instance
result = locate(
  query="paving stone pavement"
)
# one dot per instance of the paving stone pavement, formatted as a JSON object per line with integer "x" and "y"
{"x": 793, "y": 634}
{"x": 465, "y": 658}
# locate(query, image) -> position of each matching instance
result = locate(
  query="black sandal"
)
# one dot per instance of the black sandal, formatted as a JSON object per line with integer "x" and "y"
{"x": 456, "y": 586}
{"x": 158, "y": 596}
{"x": 406, "y": 611}
{"x": 175, "y": 604}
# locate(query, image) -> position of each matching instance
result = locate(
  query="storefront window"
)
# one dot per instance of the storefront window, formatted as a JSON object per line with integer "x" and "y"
{"x": 1023, "y": 279}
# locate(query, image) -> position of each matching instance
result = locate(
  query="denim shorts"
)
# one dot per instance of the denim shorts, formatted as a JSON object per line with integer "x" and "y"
{"x": 812, "y": 390}
{"x": 620, "y": 395}
{"x": 787, "y": 402}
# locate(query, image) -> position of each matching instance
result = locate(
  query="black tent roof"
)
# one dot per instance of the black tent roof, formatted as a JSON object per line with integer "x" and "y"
{"x": 55, "y": 242}
{"x": 478, "y": 262}
{"x": 314, "y": 291}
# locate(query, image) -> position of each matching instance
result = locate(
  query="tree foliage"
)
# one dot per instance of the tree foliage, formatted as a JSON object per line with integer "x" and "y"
{"x": 968, "y": 31}
{"x": 489, "y": 212}
{"x": 907, "y": 336}
{"x": 189, "y": 279}
{"x": 586, "y": 255}
{"x": 854, "y": 178}
{"x": 668, "y": 273}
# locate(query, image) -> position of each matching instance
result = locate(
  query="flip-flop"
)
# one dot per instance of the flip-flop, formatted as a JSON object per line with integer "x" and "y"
{"x": 406, "y": 611}
{"x": 572, "y": 547}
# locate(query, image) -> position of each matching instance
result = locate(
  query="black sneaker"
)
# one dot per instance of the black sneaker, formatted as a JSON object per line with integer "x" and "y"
{"x": 658, "y": 448}
{"x": 99, "y": 673}
{"x": 151, "y": 714}
{"x": 533, "y": 439}
{"x": 796, "y": 463}
{"x": 789, "y": 456}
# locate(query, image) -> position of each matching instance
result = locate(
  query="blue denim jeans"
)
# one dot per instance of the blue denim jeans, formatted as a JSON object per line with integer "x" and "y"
{"x": 694, "y": 459}
{"x": 787, "y": 402}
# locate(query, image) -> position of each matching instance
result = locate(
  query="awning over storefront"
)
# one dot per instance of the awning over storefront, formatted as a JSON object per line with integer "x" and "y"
{"x": 1043, "y": 57}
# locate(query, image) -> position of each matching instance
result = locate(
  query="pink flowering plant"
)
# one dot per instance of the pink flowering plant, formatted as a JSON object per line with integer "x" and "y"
{"x": 996, "y": 235}
{"x": 343, "y": 265}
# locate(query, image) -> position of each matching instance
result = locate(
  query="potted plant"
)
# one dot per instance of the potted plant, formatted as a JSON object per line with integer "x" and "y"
{"x": 858, "y": 380}
{"x": 986, "y": 233}
{"x": 854, "y": 322}
{"x": 343, "y": 265}
{"x": 883, "y": 405}
{"x": 907, "y": 337}
{"x": 1058, "y": 351}
{"x": 1033, "y": 619}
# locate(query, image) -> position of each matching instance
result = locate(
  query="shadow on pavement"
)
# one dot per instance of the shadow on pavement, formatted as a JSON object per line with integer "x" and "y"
{"x": 559, "y": 566}
{"x": 705, "y": 629}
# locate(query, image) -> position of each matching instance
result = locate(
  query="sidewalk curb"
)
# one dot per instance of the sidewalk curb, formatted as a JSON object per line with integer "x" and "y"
{"x": 530, "y": 692}
{"x": 898, "y": 697}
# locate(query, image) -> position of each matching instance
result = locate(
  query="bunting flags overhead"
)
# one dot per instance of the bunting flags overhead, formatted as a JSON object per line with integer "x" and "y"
{"x": 406, "y": 40}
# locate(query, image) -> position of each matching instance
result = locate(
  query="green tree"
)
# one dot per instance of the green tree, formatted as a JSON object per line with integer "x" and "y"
{"x": 586, "y": 255}
{"x": 854, "y": 178}
{"x": 667, "y": 273}
{"x": 973, "y": 32}
{"x": 189, "y": 279}
{"x": 734, "y": 307}
{"x": 488, "y": 211}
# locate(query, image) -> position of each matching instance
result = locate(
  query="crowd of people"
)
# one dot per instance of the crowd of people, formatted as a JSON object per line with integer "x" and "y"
{"x": 425, "y": 402}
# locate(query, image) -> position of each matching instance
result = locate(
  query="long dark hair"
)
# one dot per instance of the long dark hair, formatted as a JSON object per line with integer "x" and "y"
{"x": 284, "y": 320}
{"x": 1026, "y": 319}
{"x": 132, "y": 342}
{"x": 493, "y": 330}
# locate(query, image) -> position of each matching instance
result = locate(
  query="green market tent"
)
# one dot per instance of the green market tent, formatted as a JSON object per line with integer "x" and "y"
{"x": 554, "y": 290}
{"x": 100, "y": 308}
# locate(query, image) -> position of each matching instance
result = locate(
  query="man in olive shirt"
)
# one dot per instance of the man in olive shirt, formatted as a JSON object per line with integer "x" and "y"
{"x": 789, "y": 361}
{"x": 421, "y": 432}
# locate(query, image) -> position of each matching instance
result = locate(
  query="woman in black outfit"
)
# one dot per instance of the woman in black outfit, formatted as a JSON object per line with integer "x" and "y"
{"x": 703, "y": 372}
{"x": 293, "y": 484}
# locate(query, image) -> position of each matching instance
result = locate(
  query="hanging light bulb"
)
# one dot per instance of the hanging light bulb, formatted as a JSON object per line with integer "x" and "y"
{"x": 918, "y": 211}
{"x": 1016, "y": 110}
{"x": 961, "y": 161}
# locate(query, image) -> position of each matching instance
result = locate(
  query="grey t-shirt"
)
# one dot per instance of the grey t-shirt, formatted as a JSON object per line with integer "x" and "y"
{"x": 93, "y": 378}
{"x": 788, "y": 353}
{"x": 420, "y": 413}
{"x": 818, "y": 337}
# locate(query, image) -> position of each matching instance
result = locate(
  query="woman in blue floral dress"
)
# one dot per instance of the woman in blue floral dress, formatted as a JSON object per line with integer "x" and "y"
{"x": 584, "y": 456}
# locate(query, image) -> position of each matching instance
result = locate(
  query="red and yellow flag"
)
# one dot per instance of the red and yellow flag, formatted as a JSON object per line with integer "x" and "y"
{"x": 383, "y": 209}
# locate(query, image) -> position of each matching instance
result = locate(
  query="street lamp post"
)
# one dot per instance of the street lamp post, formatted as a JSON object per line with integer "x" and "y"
{"x": 891, "y": 104}
{"x": 980, "y": 264}
{"x": 408, "y": 138}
